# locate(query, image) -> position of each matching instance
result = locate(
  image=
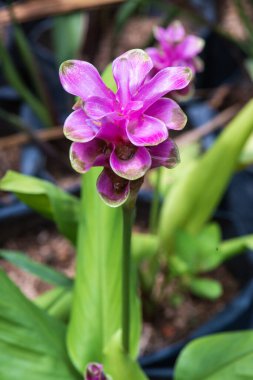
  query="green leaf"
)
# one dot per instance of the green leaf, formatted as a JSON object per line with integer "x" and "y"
{"x": 68, "y": 32}
{"x": 32, "y": 344}
{"x": 97, "y": 302}
{"x": 219, "y": 357}
{"x": 144, "y": 246}
{"x": 193, "y": 199}
{"x": 232, "y": 247}
{"x": 118, "y": 365}
{"x": 47, "y": 199}
{"x": 108, "y": 78}
{"x": 197, "y": 253}
{"x": 206, "y": 288}
{"x": 42, "y": 271}
{"x": 57, "y": 302}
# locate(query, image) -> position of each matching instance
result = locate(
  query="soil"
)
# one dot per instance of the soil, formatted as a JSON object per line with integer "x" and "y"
{"x": 175, "y": 317}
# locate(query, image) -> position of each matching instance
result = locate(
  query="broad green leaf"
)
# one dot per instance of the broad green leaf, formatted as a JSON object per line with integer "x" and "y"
{"x": 226, "y": 356}
{"x": 206, "y": 288}
{"x": 118, "y": 365}
{"x": 47, "y": 199}
{"x": 32, "y": 344}
{"x": 57, "y": 302}
{"x": 193, "y": 199}
{"x": 50, "y": 275}
{"x": 108, "y": 78}
{"x": 68, "y": 32}
{"x": 96, "y": 308}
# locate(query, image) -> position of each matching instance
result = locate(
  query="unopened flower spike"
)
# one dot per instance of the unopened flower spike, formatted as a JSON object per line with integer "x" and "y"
{"x": 127, "y": 132}
{"x": 176, "y": 48}
{"x": 95, "y": 371}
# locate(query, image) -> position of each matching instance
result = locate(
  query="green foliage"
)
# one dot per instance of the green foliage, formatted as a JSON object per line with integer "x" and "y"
{"x": 96, "y": 308}
{"x": 118, "y": 365}
{"x": 219, "y": 357}
{"x": 68, "y": 33}
{"x": 196, "y": 253}
{"x": 32, "y": 344}
{"x": 192, "y": 200}
{"x": 56, "y": 302}
{"x": 47, "y": 199}
{"x": 42, "y": 271}
{"x": 206, "y": 288}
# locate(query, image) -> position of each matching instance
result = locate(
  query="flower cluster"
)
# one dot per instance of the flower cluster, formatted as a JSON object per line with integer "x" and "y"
{"x": 176, "y": 48}
{"x": 127, "y": 132}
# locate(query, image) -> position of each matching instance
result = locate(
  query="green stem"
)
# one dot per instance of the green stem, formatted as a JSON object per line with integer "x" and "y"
{"x": 153, "y": 220}
{"x": 128, "y": 214}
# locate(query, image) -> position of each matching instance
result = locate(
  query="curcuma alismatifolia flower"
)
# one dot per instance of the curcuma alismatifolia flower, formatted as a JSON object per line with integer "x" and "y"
{"x": 95, "y": 372}
{"x": 176, "y": 48}
{"x": 126, "y": 132}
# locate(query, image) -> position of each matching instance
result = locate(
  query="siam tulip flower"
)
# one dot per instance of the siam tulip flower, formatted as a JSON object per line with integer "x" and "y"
{"x": 95, "y": 372}
{"x": 176, "y": 48}
{"x": 127, "y": 132}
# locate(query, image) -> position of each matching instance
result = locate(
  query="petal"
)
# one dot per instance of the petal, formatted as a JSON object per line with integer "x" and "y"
{"x": 113, "y": 190}
{"x": 121, "y": 73}
{"x": 169, "y": 112}
{"x": 78, "y": 127}
{"x": 175, "y": 31}
{"x": 166, "y": 80}
{"x": 138, "y": 66}
{"x": 85, "y": 155}
{"x": 157, "y": 58}
{"x": 82, "y": 79}
{"x": 147, "y": 131}
{"x": 113, "y": 132}
{"x": 131, "y": 168}
{"x": 190, "y": 46}
{"x": 97, "y": 107}
{"x": 166, "y": 154}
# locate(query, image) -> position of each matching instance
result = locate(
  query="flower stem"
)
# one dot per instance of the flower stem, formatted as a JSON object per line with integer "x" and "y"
{"x": 128, "y": 214}
{"x": 153, "y": 220}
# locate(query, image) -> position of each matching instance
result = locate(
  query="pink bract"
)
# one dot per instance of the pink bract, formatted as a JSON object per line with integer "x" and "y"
{"x": 176, "y": 48}
{"x": 123, "y": 131}
{"x": 95, "y": 372}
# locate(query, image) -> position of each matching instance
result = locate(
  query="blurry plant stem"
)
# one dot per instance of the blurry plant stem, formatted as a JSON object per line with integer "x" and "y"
{"x": 128, "y": 215}
{"x": 30, "y": 62}
{"x": 153, "y": 220}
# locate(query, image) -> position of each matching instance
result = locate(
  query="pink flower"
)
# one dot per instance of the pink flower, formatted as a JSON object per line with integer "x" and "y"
{"x": 128, "y": 132}
{"x": 176, "y": 48}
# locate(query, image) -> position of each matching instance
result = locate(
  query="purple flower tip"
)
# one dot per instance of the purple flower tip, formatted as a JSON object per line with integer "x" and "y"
{"x": 126, "y": 132}
{"x": 95, "y": 372}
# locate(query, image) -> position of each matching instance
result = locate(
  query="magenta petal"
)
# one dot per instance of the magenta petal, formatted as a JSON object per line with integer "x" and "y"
{"x": 166, "y": 80}
{"x": 131, "y": 168}
{"x": 175, "y": 31}
{"x": 97, "y": 107}
{"x": 82, "y": 79}
{"x": 78, "y": 127}
{"x": 113, "y": 190}
{"x": 169, "y": 112}
{"x": 190, "y": 46}
{"x": 137, "y": 63}
{"x": 147, "y": 131}
{"x": 85, "y": 155}
{"x": 121, "y": 73}
{"x": 166, "y": 154}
